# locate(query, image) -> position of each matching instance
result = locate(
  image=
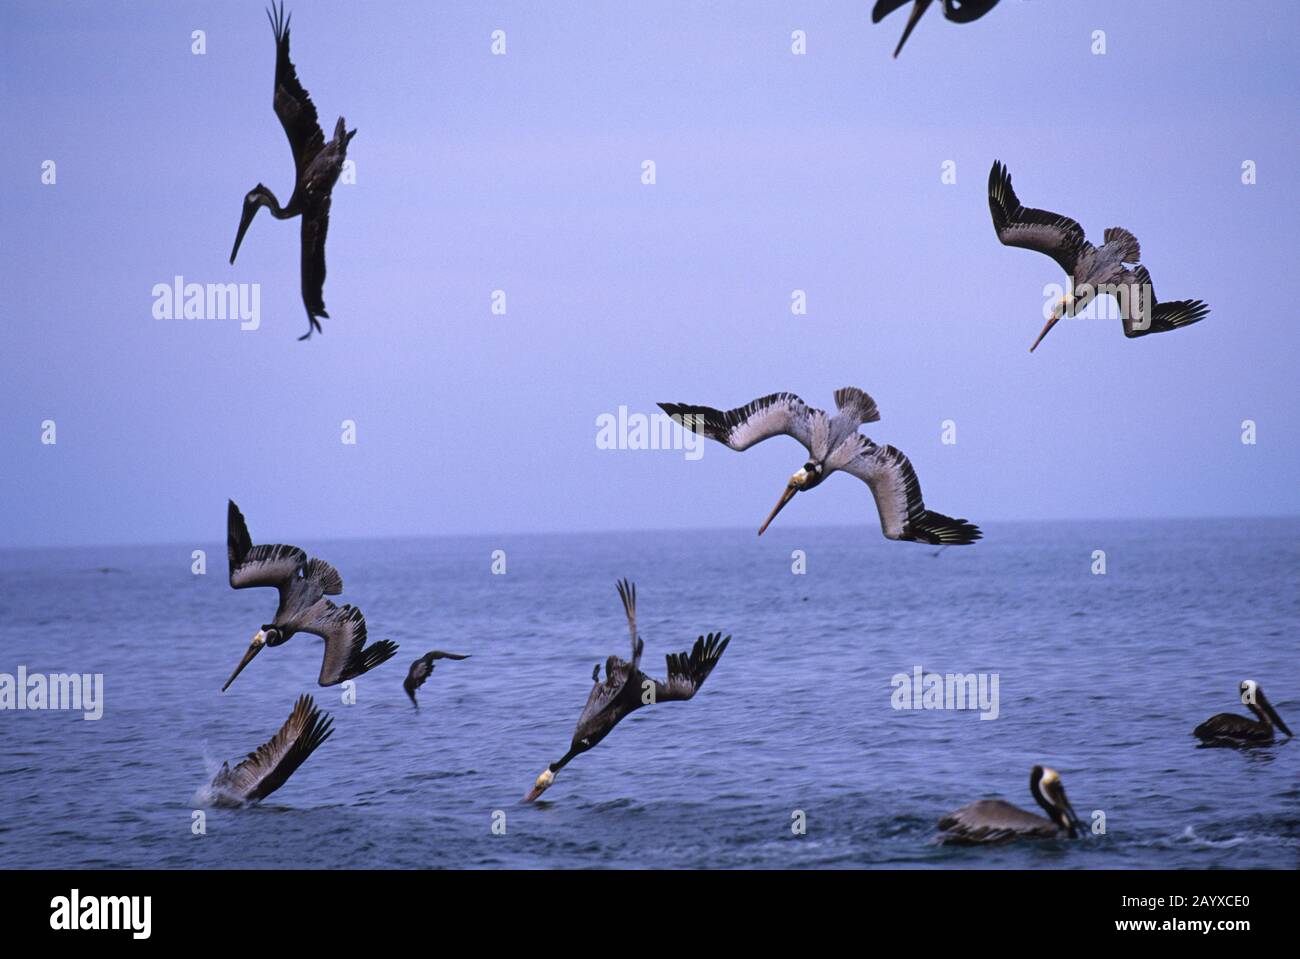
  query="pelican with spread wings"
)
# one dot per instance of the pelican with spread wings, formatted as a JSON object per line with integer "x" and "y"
{"x": 268, "y": 767}
{"x": 626, "y": 689}
{"x": 833, "y": 443}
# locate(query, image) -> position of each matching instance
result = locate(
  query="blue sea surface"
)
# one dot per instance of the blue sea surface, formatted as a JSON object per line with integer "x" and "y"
{"x": 1102, "y": 677}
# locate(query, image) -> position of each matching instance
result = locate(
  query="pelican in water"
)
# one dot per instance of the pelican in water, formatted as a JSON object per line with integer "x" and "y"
{"x": 303, "y": 585}
{"x": 833, "y": 443}
{"x": 266, "y": 769}
{"x": 420, "y": 670}
{"x": 1231, "y": 729}
{"x": 958, "y": 11}
{"x": 989, "y": 821}
{"x": 1091, "y": 269}
{"x": 626, "y": 689}
{"x": 316, "y": 165}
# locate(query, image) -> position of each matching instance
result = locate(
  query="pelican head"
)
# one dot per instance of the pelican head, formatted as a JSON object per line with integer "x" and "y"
{"x": 1045, "y": 784}
{"x": 1061, "y": 308}
{"x": 542, "y": 784}
{"x": 257, "y": 197}
{"x": 1253, "y": 696}
{"x": 808, "y": 476}
{"x": 264, "y": 636}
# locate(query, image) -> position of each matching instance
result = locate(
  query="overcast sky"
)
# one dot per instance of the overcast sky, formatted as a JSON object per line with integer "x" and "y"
{"x": 523, "y": 173}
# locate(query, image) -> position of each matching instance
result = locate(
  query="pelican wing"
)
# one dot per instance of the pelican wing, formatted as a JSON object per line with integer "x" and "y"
{"x": 346, "y": 654}
{"x": 687, "y": 671}
{"x": 315, "y": 224}
{"x": 601, "y": 712}
{"x": 897, "y": 492}
{"x": 773, "y": 415}
{"x": 627, "y": 593}
{"x": 417, "y": 674}
{"x": 1058, "y": 236}
{"x": 1230, "y": 728}
{"x": 292, "y": 102}
{"x": 994, "y": 821}
{"x": 266, "y": 769}
{"x": 258, "y": 565}
{"x": 1163, "y": 316}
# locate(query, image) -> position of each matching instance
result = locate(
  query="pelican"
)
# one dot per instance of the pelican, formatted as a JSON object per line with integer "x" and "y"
{"x": 627, "y": 689}
{"x": 833, "y": 443}
{"x": 1230, "y": 729}
{"x": 316, "y": 164}
{"x": 266, "y": 769}
{"x": 1092, "y": 270}
{"x": 420, "y": 670}
{"x": 958, "y": 11}
{"x": 303, "y": 585}
{"x": 989, "y": 821}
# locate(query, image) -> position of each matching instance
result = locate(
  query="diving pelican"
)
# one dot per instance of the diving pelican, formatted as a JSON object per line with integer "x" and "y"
{"x": 266, "y": 769}
{"x": 420, "y": 670}
{"x": 317, "y": 165}
{"x": 303, "y": 585}
{"x": 958, "y": 11}
{"x": 996, "y": 821}
{"x": 626, "y": 689}
{"x": 1092, "y": 270}
{"x": 833, "y": 443}
{"x": 1230, "y": 729}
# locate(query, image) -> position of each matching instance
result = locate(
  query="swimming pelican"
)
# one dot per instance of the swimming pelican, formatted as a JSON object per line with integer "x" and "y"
{"x": 317, "y": 165}
{"x": 266, "y": 769}
{"x": 833, "y": 443}
{"x": 996, "y": 821}
{"x": 1230, "y": 729}
{"x": 420, "y": 670}
{"x": 626, "y": 689}
{"x": 958, "y": 11}
{"x": 1092, "y": 270}
{"x": 303, "y": 585}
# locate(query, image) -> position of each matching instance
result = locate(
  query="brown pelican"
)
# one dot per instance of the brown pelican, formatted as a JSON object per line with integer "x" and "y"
{"x": 420, "y": 670}
{"x": 317, "y": 165}
{"x": 626, "y": 689}
{"x": 266, "y": 769}
{"x": 833, "y": 443}
{"x": 958, "y": 11}
{"x": 303, "y": 585}
{"x": 1230, "y": 729}
{"x": 1090, "y": 268}
{"x": 997, "y": 821}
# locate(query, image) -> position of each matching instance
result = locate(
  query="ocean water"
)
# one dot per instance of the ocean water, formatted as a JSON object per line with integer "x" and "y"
{"x": 1100, "y": 676}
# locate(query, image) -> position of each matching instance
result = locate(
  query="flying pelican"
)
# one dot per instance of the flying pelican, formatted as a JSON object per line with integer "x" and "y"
{"x": 958, "y": 11}
{"x": 1230, "y": 729}
{"x": 996, "y": 821}
{"x": 1092, "y": 270}
{"x": 420, "y": 670}
{"x": 833, "y": 443}
{"x": 627, "y": 689}
{"x": 317, "y": 165}
{"x": 303, "y": 585}
{"x": 266, "y": 769}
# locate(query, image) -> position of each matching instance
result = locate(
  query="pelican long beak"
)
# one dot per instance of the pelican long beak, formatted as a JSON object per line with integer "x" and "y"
{"x": 254, "y": 648}
{"x": 542, "y": 784}
{"x": 1272, "y": 714}
{"x": 1057, "y": 312}
{"x": 534, "y": 793}
{"x": 250, "y": 210}
{"x": 1070, "y": 815}
{"x": 788, "y": 495}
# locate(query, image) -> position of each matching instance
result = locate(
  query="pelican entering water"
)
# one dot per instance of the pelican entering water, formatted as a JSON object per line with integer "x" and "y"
{"x": 317, "y": 166}
{"x": 1231, "y": 729}
{"x": 833, "y": 443}
{"x": 626, "y": 689}
{"x": 420, "y": 670}
{"x": 303, "y": 585}
{"x": 989, "y": 821}
{"x": 268, "y": 767}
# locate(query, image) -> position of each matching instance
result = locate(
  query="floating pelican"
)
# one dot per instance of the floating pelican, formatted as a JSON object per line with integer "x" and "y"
{"x": 316, "y": 164}
{"x": 833, "y": 443}
{"x": 1090, "y": 268}
{"x": 266, "y": 769}
{"x": 1230, "y": 729}
{"x": 420, "y": 670}
{"x": 626, "y": 689}
{"x": 303, "y": 585}
{"x": 997, "y": 821}
{"x": 958, "y": 11}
